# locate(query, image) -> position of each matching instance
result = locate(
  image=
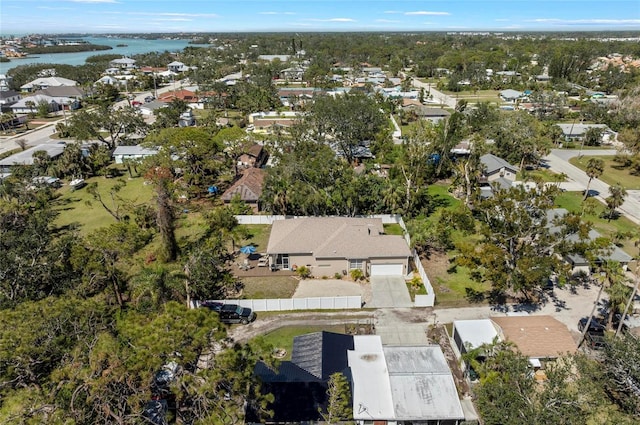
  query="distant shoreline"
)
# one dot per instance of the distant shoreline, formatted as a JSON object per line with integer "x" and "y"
{"x": 75, "y": 48}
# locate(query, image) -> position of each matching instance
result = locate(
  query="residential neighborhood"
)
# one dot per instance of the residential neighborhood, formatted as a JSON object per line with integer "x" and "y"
{"x": 264, "y": 229}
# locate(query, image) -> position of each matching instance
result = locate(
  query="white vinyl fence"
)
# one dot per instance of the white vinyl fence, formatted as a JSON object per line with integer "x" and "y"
{"x": 291, "y": 304}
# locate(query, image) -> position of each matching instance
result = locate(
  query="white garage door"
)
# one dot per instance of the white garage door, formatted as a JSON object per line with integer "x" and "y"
{"x": 386, "y": 270}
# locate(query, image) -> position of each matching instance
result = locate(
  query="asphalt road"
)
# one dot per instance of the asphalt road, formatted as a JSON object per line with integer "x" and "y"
{"x": 558, "y": 161}
{"x": 437, "y": 95}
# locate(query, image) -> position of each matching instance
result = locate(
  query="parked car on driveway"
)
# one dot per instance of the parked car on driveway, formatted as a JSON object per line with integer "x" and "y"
{"x": 233, "y": 313}
{"x": 596, "y": 325}
{"x": 212, "y": 305}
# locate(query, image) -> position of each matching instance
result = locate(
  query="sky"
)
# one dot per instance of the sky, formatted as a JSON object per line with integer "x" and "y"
{"x": 117, "y": 16}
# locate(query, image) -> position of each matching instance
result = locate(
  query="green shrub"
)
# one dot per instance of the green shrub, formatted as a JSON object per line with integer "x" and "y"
{"x": 303, "y": 272}
{"x": 357, "y": 274}
{"x": 337, "y": 276}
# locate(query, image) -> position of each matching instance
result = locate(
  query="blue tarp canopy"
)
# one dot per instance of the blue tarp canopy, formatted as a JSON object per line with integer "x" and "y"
{"x": 248, "y": 249}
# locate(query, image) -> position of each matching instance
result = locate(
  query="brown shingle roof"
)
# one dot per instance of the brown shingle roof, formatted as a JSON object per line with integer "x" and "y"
{"x": 537, "y": 336}
{"x": 249, "y": 186}
{"x": 335, "y": 237}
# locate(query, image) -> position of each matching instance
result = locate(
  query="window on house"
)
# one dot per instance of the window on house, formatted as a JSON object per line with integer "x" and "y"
{"x": 356, "y": 264}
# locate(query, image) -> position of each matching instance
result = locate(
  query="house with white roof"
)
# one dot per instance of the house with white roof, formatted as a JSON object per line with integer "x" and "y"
{"x": 124, "y": 153}
{"x": 123, "y": 63}
{"x": 389, "y": 384}
{"x": 26, "y": 157}
{"x": 402, "y": 384}
{"x": 577, "y": 131}
{"x": 46, "y": 82}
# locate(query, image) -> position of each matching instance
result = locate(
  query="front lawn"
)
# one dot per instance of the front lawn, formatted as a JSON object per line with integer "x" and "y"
{"x": 572, "y": 201}
{"x": 283, "y": 338}
{"x": 544, "y": 174}
{"x": 613, "y": 172}
{"x": 452, "y": 284}
{"x": 267, "y": 287}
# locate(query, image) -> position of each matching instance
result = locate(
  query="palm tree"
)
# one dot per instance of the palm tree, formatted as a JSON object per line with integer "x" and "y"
{"x": 611, "y": 274}
{"x": 617, "y": 193}
{"x": 595, "y": 168}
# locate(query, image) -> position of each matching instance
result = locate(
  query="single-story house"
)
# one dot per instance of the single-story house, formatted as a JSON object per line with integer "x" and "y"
{"x": 292, "y": 74}
{"x": 122, "y": 153}
{"x": 46, "y": 82}
{"x": 435, "y": 115}
{"x": 149, "y": 108}
{"x": 537, "y": 337}
{"x": 390, "y": 384}
{"x": 123, "y": 63}
{"x": 510, "y": 95}
{"x": 471, "y": 334}
{"x": 248, "y": 187}
{"x": 30, "y": 104}
{"x": 183, "y": 94}
{"x": 300, "y": 386}
{"x": 68, "y": 97}
{"x": 109, "y": 80}
{"x": 401, "y": 384}
{"x": 8, "y": 98}
{"x": 577, "y": 131}
{"x": 578, "y": 263}
{"x": 271, "y": 58}
{"x": 330, "y": 245}
{"x": 26, "y": 157}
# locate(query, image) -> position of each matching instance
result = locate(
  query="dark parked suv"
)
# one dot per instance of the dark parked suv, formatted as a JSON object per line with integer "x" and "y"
{"x": 233, "y": 313}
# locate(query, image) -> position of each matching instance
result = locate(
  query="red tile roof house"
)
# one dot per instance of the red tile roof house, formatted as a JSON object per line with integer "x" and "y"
{"x": 186, "y": 95}
{"x": 248, "y": 187}
{"x": 330, "y": 245}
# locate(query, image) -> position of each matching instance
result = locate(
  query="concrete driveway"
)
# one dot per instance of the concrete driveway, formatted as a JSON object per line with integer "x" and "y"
{"x": 389, "y": 292}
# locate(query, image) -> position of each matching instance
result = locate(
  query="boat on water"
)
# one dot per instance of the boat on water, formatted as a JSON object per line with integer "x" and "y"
{"x": 122, "y": 45}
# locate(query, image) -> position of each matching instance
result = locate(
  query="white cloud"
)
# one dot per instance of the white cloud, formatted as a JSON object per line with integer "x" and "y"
{"x": 554, "y": 21}
{"x": 173, "y": 20}
{"x": 387, "y": 21}
{"x": 426, "y": 12}
{"x": 392, "y": 12}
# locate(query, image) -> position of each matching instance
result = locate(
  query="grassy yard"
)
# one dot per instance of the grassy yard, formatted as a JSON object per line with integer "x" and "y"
{"x": 257, "y": 235}
{"x": 572, "y": 201}
{"x": 545, "y": 175}
{"x": 443, "y": 196}
{"x": 452, "y": 284}
{"x": 79, "y": 206}
{"x": 269, "y": 287}
{"x": 283, "y": 338}
{"x": 612, "y": 174}
{"x": 393, "y": 229}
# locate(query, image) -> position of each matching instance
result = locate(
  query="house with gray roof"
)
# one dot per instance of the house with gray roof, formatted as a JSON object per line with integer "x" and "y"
{"x": 495, "y": 172}
{"x": 577, "y": 131}
{"x": 123, "y": 153}
{"x": 578, "y": 262}
{"x": 26, "y": 157}
{"x": 330, "y": 245}
{"x": 46, "y": 82}
{"x": 510, "y": 95}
